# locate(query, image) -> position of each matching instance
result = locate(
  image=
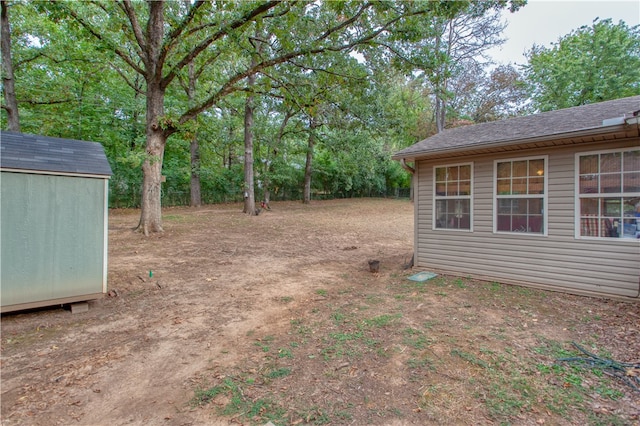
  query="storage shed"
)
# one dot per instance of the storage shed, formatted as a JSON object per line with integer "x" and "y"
{"x": 550, "y": 200}
{"x": 54, "y": 221}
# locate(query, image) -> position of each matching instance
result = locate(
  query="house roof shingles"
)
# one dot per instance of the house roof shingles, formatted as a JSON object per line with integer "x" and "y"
{"x": 544, "y": 125}
{"x": 19, "y": 151}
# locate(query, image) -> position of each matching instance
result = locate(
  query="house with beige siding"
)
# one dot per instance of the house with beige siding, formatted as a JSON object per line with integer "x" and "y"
{"x": 550, "y": 200}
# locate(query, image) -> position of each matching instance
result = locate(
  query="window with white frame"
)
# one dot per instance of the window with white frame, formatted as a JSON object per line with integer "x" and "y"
{"x": 452, "y": 197}
{"x": 520, "y": 195}
{"x": 608, "y": 199}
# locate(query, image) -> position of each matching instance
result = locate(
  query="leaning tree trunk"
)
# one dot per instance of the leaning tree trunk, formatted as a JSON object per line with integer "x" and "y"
{"x": 11, "y": 103}
{"x": 249, "y": 190}
{"x": 308, "y": 168}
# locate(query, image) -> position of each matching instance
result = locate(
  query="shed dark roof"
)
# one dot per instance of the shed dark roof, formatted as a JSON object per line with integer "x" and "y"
{"x": 55, "y": 155}
{"x": 547, "y": 125}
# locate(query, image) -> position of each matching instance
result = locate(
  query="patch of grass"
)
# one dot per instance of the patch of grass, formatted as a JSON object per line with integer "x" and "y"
{"x": 343, "y": 344}
{"x": 590, "y": 318}
{"x": 460, "y": 283}
{"x": 300, "y": 328}
{"x": 339, "y": 317}
{"x": 574, "y": 384}
{"x": 259, "y": 410}
{"x": 203, "y": 397}
{"x": 381, "y": 320}
{"x": 315, "y": 415}
{"x": 495, "y": 286}
{"x": 285, "y": 352}
{"x": 286, "y": 299}
{"x": 415, "y": 338}
{"x": 440, "y": 281}
{"x": 173, "y": 218}
{"x": 469, "y": 357}
{"x": 264, "y": 343}
{"x": 279, "y": 372}
{"x": 429, "y": 324}
{"x": 344, "y": 337}
{"x": 374, "y": 299}
{"x": 419, "y": 362}
{"x": 524, "y": 291}
{"x": 552, "y": 348}
{"x": 507, "y": 382}
{"x": 608, "y": 392}
{"x": 503, "y": 402}
{"x": 343, "y": 415}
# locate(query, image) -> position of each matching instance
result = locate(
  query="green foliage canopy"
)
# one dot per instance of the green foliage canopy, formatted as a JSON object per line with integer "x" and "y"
{"x": 591, "y": 64}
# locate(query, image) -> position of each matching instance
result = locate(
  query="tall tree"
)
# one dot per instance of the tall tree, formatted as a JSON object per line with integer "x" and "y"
{"x": 308, "y": 168}
{"x": 249, "y": 188}
{"x": 591, "y": 64}
{"x": 159, "y": 39}
{"x": 461, "y": 41}
{"x": 480, "y": 96}
{"x": 158, "y": 42}
{"x": 11, "y": 103}
{"x": 195, "y": 192}
{"x": 440, "y": 48}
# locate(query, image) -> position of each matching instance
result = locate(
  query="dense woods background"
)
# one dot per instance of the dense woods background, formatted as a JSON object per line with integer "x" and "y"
{"x": 207, "y": 102}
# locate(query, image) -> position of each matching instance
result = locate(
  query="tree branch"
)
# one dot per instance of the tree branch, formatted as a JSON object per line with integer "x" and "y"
{"x": 54, "y": 102}
{"x": 247, "y": 17}
{"x": 127, "y": 7}
{"x": 230, "y": 85}
{"x": 174, "y": 36}
{"x": 98, "y": 34}
{"x": 126, "y": 79}
{"x": 344, "y": 24}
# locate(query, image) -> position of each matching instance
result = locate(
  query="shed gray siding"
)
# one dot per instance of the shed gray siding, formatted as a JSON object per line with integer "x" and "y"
{"x": 53, "y": 205}
{"x": 557, "y": 261}
{"x": 53, "y": 243}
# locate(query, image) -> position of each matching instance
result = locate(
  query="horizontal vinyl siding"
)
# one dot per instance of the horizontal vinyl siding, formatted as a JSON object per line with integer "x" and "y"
{"x": 558, "y": 260}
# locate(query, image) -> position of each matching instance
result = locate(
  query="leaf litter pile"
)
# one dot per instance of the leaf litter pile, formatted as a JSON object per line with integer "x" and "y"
{"x": 229, "y": 319}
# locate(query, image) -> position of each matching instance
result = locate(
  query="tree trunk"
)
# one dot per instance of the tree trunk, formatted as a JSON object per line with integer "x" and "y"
{"x": 308, "y": 168}
{"x": 440, "y": 84}
{"x": 156, "y": 135}
{"x": 440, "y": 111}
{"x": 196, "y": 194}
{"x": 151, "y": 203}
{"x": 8, "y": 82}
{"x": 196, "y": 197}
{"x": 249, "y": 190}
{"x": 151, "y": 206}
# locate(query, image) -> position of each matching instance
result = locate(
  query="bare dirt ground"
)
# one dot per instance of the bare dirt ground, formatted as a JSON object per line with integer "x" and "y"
{"x": 278, "y": 318}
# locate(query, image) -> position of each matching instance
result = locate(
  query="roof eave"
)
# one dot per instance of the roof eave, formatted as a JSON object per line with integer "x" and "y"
{"x": 628, "y": 124}
{"x": 55, "y": 173}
